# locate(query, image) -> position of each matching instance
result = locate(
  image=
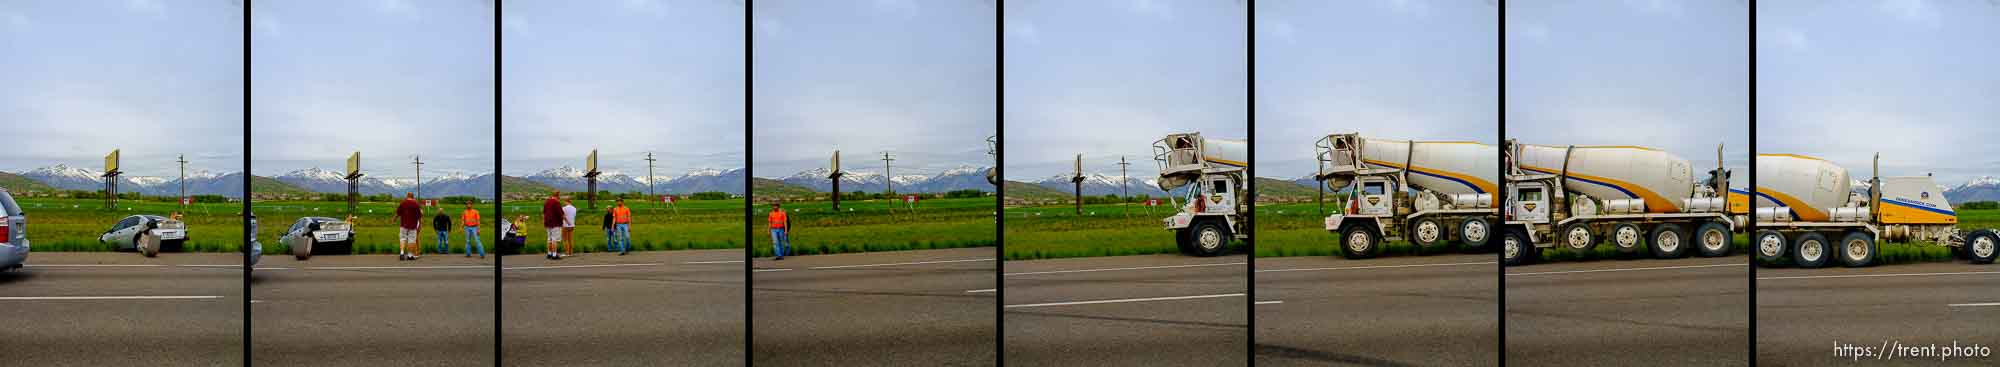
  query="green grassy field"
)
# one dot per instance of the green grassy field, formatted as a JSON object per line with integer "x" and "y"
{"x": 74, "y": 224}
{"x": 698, "y": 224}
{"x": 689, "y": 224}
{"x": 879, "y": 225}
{"x": 1049, "y": 232}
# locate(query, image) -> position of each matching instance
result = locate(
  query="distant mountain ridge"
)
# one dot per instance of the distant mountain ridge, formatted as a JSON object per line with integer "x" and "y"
{"x": 963, "y": 177}
{"x": 568, "y": 178}
{"x": 444, "y": 184}
{"x": 1984, "y": 188}
{"x": 199, "y": 181}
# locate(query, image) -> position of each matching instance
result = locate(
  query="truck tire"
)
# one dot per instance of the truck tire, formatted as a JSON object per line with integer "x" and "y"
{"x": 1427, "y": 233}
{"x": 1475, "y": 233}
{"x": 1713, "y": 239}
{"x": 1810, "y": 250}
{"x": 1577, "y": 238}
{"x": 1770, "y": 246}
{"x": 1360, "y": 241}
{"x": 1668, "y": 241}
{"x": 1857, "y": 249}
{"x": 1209, "y": 239}
{"x": 1516, "y": 250}
{"x": 1626, "y": 237}
{"x": 1980, "y": 247}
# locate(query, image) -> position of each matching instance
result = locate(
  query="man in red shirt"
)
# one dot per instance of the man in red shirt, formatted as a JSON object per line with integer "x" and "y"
{"x": 409, "y": 214}
{"x": 552, "y": 221}
{"x": 779, "y": 240}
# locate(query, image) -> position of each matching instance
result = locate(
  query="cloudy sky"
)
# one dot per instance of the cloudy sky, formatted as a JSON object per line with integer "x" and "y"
{"x": 624, "y": 78}
{"x": 153, "y": 78}
{"x": 1671, "y": 75}
{"x": 911, "y": 77}
{"x": 1423, "y": 70}
{"x": 1107, "y": 78}
{"x": 388, "y": 78}
{"x": 1913, "y": 80}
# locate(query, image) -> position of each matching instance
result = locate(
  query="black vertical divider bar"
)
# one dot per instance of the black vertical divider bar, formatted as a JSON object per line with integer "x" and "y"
{"x": 749, "y": 172}
{"x": 499, "y": 259}
{"x": 1500, "y": 263}
{"x": 248, "y": 236}
{"x": 1250, "y": 179}
{"x": 999, "y": 190}
{"x": 1751, "y": 40}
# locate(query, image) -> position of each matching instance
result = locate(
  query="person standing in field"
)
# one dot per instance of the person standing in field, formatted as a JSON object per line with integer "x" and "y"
{"x": 569, "y": 228}
{"x": 779, "y": 239}
{"x": 552, "y": 223}
{"x": 471, "y": 219}
{"x": 610, "y": 237}
{"x": 441, "y": 224}
{"x": 621, "y": 217}
{"x": 408, "y": 215}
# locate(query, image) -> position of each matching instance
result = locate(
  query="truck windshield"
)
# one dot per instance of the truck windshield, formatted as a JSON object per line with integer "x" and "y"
{"x": 1529, "y": 195}
{"x": 1374, "y": 188}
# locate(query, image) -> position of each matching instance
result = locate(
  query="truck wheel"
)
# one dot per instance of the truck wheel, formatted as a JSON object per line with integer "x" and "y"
{"x": 1810, "y": 250}
{"x": 1516, "y": 250}
{"x": 1475, "y": 233}
{"x": 1770, "y": 246}
{"x": 1857, "y": 249}
{"x": 1209, "y": 239}
{"x": 1359, "y": 241}
{"x": 1577, "y": 238}
{"x": 1427, "y": 233}
{"x": 1668, "y": 241}
{"x": 1625, "y": 237}
{"x": 1980, "y": 246}
{"x": 1713, "y": 239}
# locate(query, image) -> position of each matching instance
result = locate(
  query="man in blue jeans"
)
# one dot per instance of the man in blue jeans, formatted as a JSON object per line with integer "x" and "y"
{"x": 441, "y": 224}
{"x": 471, "y": 219}
{"x": 779, "y": 241}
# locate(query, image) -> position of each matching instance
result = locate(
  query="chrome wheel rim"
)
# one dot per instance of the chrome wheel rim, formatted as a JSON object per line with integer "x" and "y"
{"x": 1210, "y": 239}
{"x": 1667, "y": 241}
{"x": 1511, "y": 246}
{"x": 1810, "y": 251}
{"x": 1475, "y": 231}
{"x": 1714, "y": 240}
{"x": 1857, "y": 250}
{"x": 1427, "y": 232}
{"x": 1358, "y": 241}
{"x": 1627, "y": 236}
{"x": 1983, "y": 247}
{"x": 1578, "y": 237}
{"x": 1770, "y": 245}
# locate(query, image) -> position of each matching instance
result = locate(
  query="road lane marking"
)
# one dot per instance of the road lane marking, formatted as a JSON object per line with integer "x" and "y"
{"x": 715, "y": 262}
{"x": 896, "y": 264}
{"x": 1269, "y": 302}
{"x": 1123, "y": 269}
{"x": 988, "y": 290}
{"x": 93, "y": 265}
{"x": 769, "y": 270}
{"x": 1974, "y": 304}
{"x": 1374, "y": 267}
{"x": 1876, "y": 275}
{"x": 578, "y": 266}
{"x": 381, "y": 267}
{"x": 103, "y": 298}
{"x": 1125, "y": 300}
{"x": 1626, "y": 269}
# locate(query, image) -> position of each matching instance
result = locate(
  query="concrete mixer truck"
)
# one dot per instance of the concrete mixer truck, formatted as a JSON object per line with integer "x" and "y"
{"x": 1429, "y": 193}
{"x": 1803, "y": 203}
{"x": 1214, "y": 171}
{"x": 1578, "y": 196}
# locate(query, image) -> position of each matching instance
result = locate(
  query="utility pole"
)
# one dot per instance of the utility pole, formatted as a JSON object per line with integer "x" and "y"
{"x": 649, "y": 175}
{"x": 419, "y": 161}
{"x": 184, "y": 181}
{"x": 1124, "y": 183}
{"x": 887, "y": 178}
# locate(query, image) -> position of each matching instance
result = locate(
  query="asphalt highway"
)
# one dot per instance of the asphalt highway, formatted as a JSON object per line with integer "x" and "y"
{"x": 1151, "y": 310}
{"x": 372, "y": 310}
{"x": 1803, "y": 314}
{"x": 1395, "y": 311}
{"x": 1672, "y": 312}
{"x": 122, "y": 309}
{"x": 666, "y": 308}
{"x": 903, "y": 308}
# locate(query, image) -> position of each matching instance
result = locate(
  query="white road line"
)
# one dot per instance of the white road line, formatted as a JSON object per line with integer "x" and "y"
{"x": 1627, "y": 269}
{"x": 1127, "y": 300}
{"x": 1877, "y": 275}
{"x": 579, "y": 266}
{"x": 212, "y": 266}
{"x": 1269, "y": 302}
{"x": 1974, "y": 304}
{"x": 1123, "y": 269}
{"x": 769, "y": 270}
{"x": 896, "y": 264}
{"x": 715, "y": 262}
{"x": 102, "y": 298}
{"x": 93, "y": 265}
{"x": 1374, "y": 267}
{"x": 389, "y": 267}
{"x": 988, "y": 290}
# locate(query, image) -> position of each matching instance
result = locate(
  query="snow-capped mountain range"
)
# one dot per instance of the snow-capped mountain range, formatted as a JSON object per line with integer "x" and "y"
{"x": 444, "y": 184}
{"x": 1984, "y": 188}
{"x": 568, "y": 178}
{"x": 963, "y": 177}
{"x": 1096, "y": 184}
{"x": 199, "y": 181}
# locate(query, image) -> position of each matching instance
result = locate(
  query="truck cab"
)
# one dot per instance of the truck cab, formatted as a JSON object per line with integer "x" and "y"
{"x": 1528, "y": 202}
{"x": 1212, "y": 173}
